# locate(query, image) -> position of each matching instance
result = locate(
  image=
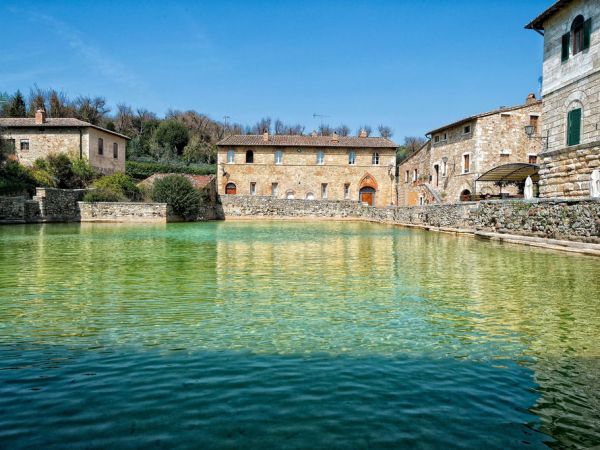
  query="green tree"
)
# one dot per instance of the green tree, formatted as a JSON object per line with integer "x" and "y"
{"x": 179, "y": 194}
{"x": 16, "y": 106}
{"x": 172, "y": 133}
{"x": 199, "y": 151}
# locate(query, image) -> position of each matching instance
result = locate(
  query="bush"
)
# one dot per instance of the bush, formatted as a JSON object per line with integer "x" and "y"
{"x": 142, "y": 169}
{"x": 100, "y": 195}
{"x": 83, "y": 172}
{"x": 16, "y": 179}
{"x": 119, "y": 187}
{"x": 172, "y": 133}
{"x": 61, "y": 171}
{"x": 177, "y": 192}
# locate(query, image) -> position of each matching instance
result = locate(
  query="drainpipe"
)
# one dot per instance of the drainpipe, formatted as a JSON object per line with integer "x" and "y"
{"x": 80, "y": 143}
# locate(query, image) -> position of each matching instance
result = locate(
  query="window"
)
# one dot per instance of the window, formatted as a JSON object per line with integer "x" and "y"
{"x": 406, "y": 175}
{"x": 352, "y": 158}
{"x": 421, "y": 200}
{"x": 323, "y": 190}
{"x": 100, "y": 146}
{"x": 532, "y": 159}
{"x": 289, "y": 195}
{"x": 444, "y": 136}
{"x": 347, "y": 191}
{"x": 310, "y": 196}
{"x": 274, "y": 189}
{"x": 467, "y": 129}
{"x": 252, "y": 188}
{"x": 115, "y": 150}
{"x": 533, "y": 121}
{"x": 444, "y": 168}
{"x": 375, "y": 159}
{"x": 574, "y": 127}
{"x": 278, "y": 157}
{"x": 24, "y": 144}
{"x": 230, "y": 156}
{"x": 415, "y": 175}
{"x": 577, "y": 39}
{"x": 466, "y": 163}
{"x": 320, "y": 158}
{"x": 249, "y": 157}
{"x": 436, "y": 138}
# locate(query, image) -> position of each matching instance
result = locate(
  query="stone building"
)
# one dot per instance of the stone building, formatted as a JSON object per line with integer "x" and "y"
{"x": 571, "y": 95}
{"x": 445, "y": 169}
{"x": 38, "y": 137}
{"x": 308, "y": 167}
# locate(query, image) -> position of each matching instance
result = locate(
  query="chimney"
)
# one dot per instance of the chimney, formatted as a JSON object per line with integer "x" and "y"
{"x": 40, "y": 116}
{"x": 362, "y": 134}
{"x": 531, "y": 99}
{"x": 334, "y": 137}
{"x": 314, "y": 133}
{"x": 266, "y": 136}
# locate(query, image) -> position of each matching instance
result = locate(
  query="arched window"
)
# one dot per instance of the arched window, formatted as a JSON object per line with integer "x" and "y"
{"x": 578, "y": 38}
{"x": 249, "y": 156}
{"x": 289, "y": 195}
{"x": 310, "y": 196}
{"x": 465, "y": 195}
{"x": 278, "y": 157}
{"x": 352, "y": 158}
{"x": 230, "y": 156}
{"x": 230, "y": 189}
{"x": 375, "y": 159}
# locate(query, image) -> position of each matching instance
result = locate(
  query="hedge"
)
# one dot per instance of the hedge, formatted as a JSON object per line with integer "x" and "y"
{"x": 140, "y": 170}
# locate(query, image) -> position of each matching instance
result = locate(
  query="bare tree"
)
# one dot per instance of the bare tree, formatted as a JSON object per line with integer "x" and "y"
{"x": 414, "y": 143}
{"x": 342, "y": 130}
{"x": 325, "y": 130}
{"x": 124, "y": 120}
{"x": 385, "y": 131}
{"x": 92, "y": 110}
{"x": 60, "y": 105}
{"x": 262, "y": 126}
{"x": 366, "y": 128}
{"x": 37, "y": 100}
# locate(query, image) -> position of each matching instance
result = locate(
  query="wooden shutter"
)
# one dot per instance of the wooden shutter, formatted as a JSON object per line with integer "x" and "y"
{"x": 566, "y": 38}
{"x": 574, "y": 127}
{"x": 587, "y": 33}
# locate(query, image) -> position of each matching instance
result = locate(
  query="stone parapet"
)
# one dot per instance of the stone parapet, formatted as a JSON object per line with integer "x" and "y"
{"x": 122, "y": 212}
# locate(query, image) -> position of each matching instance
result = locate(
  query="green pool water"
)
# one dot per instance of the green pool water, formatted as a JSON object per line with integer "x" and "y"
{"x": 293, "y": 335}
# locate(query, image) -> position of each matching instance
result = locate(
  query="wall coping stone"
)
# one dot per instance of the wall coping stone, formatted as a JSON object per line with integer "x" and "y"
{"x": 572, "y": 148}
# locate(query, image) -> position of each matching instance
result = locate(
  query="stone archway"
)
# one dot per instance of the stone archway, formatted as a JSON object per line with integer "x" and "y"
{"x": 367, "y": 189}
{"x": 368, "y": 180}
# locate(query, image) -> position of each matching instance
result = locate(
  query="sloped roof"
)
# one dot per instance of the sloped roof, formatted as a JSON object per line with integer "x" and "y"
{"x": 516, "y": 172}
{"x": 538, "y": 22}
{"x": 485, "y": 114}
{"x": 278, "y": 140}
{"x": 59, "y": 122}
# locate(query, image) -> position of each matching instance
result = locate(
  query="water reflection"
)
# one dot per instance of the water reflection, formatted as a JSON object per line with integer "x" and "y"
{"x": 339, "y": 289}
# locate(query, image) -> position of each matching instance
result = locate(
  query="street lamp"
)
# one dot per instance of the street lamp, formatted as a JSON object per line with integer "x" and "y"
{"x": 530, "y": 132}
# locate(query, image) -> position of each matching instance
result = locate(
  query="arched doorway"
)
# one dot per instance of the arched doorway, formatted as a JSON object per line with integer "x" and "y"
{"x": 230, "y": 189}
{"x": 289, "y": 195}
{"x": 465, "y": 196}
{"x": 367, "y": 195}
{"x": 367, "y": 189}
{"x": 310, "y": 196}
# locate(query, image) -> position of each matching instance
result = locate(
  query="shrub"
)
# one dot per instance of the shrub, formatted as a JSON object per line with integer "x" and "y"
{"x": 118, "y": 186}
{"x": 172, "y": 133}
{"x": 67, "y": 173}
{"x": 101, "y": 195}
{"x": 177, "y": 192}
{"x": 83, "y": 172}
{"x": 142, "y": 169}
{"x": 16, "y": 179}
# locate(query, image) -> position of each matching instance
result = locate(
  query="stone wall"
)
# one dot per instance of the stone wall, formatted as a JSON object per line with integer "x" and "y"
{"x": 58, "y": 205}
{"x": 577, "y": 220}
{"x": 567, "y": 172}
{"x": 122, "y": 212}
{"x": 12, "y": 209}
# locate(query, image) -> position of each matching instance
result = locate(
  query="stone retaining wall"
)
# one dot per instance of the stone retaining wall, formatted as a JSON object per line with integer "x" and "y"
{"x": 569, "y": 219}
{"x": 122, "y": 212}
{"x": 12, "y": 209}
{"x": 58, "y": 205}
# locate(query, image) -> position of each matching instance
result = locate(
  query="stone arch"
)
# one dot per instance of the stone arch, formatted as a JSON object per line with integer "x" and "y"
{"x": 230, "y": 188}
{"x": 465, "y": 195}
{"x": 368, "y": 180}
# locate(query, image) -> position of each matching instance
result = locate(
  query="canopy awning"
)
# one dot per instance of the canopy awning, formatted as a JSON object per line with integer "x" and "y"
{"x": 514, "y": 172}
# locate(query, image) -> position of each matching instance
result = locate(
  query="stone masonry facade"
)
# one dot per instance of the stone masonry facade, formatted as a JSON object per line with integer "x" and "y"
{"x": 460, "y": 153}
{"x": 309, "y": 167}
{"x": 571, "y": 83}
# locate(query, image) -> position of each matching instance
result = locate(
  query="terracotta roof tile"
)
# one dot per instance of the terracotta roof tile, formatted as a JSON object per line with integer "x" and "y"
{"x": 276, "y": 140}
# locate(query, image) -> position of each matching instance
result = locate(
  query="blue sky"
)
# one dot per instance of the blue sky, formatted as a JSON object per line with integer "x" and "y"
{"x": 412, "y": 65}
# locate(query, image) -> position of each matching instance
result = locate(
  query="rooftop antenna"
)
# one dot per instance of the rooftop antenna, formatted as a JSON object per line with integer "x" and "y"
{"x": 226, "y": 118}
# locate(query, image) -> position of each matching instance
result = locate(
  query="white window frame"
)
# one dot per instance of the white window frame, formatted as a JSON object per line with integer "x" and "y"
{"x": 278, "y": 157}
{"x": 320, "y": 158}
{"x": 375, "y": 159}
{"x": 463, "y": 163}
{"x": 23, "y": 141}
{"x": 324, "y": 190}
{"x": 444, "y": 137}
{"x": 230, "y": 156}
{"x": 352, "y": 158}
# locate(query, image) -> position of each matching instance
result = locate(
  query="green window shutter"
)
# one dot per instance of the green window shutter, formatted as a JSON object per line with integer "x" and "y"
{"x": 587, "y": 33}
{"x": 574, "y": 127}
{"x": 566, "y": 38}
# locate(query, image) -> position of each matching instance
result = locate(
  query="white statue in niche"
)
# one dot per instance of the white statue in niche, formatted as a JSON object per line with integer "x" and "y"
{"x": 595, "y": 184}
{"x": 528, "y": 192}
